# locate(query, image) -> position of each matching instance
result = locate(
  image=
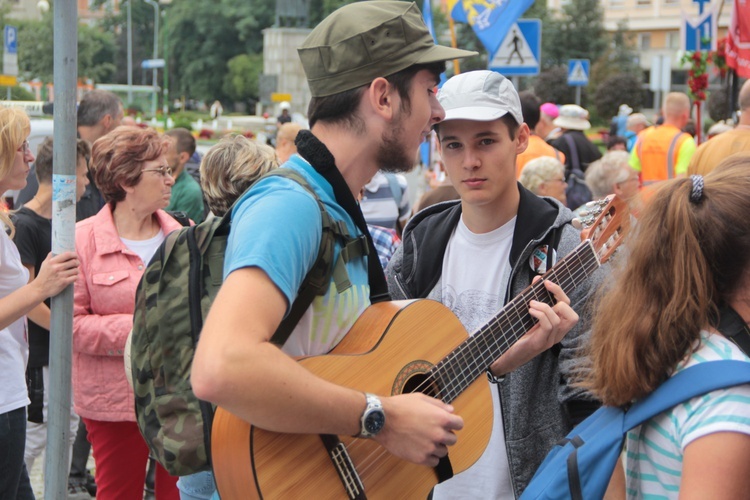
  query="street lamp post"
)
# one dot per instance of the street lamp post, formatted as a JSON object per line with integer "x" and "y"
{"x": 165, "y": 90}
{"x": 130, "y": 55}
{"x": 154, "y": 98}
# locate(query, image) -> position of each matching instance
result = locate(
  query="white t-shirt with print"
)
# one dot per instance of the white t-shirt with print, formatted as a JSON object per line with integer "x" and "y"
{"x": 476, "y": 269}
{"x": 655, "y": 449}
{"x": 14, "y": 343}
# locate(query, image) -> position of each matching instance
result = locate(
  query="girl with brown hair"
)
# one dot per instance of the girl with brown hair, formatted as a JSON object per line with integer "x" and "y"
{"x": 689, "y": 259}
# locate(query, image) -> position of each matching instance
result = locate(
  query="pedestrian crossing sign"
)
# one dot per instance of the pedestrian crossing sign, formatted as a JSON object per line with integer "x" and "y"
{"x": 578, "y": 72}
{"x": 520, "y": 51}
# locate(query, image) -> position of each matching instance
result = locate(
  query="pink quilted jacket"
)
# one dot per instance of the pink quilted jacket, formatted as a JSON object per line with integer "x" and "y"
{"x": 103, "y": 317}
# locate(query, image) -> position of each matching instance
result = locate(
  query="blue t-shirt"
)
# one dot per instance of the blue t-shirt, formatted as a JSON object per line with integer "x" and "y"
{"x": 276, "y": 226}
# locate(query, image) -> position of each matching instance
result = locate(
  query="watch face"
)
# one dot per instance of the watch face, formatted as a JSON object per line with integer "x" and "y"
{"x": 374, "y": 421}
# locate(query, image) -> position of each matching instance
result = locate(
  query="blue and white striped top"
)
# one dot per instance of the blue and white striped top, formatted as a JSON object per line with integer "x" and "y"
{"x": 654, "y": 450}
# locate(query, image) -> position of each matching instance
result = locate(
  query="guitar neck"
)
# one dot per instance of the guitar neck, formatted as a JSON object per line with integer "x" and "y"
{"x": 454, "y": 373}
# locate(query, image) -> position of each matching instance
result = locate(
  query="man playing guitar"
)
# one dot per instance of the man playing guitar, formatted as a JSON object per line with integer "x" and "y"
{"x": 372, "y": 68}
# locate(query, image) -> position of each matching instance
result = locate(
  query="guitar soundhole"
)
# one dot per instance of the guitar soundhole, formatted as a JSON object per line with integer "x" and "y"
{"x": 414, "y": 377}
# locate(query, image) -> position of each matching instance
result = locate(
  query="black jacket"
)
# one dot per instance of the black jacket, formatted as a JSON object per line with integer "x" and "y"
{"x": 540, "y": 403}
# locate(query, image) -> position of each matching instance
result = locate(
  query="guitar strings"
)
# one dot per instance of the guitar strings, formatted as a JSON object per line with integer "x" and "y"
{"x": 586, "y": 265}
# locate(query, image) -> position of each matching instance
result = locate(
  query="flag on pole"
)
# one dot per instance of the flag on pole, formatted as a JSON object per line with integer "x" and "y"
{"x": 738, "y": 39}
{"x": 491, "y": 19}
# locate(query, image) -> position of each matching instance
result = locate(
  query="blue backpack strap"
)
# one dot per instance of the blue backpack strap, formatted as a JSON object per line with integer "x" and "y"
{"x": 687, "y": 384}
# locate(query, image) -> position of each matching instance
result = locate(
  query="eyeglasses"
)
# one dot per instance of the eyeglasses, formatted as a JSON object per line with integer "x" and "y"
{"x": 163, "y": 171}
{"x": 24, "y": 148}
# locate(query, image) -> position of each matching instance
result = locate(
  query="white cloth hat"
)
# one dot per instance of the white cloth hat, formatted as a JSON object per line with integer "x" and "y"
{"x": 480, "y": 96}
{"x": 624, "y": 110}
{"x": 572, "y": 117}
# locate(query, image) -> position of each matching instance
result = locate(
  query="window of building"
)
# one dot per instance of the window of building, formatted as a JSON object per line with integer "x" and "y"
{"x": 644, "y": 41}
{"x": 617, "y": 3}
{"x": 643, "y": 3}
{"x": 673, "y": 40}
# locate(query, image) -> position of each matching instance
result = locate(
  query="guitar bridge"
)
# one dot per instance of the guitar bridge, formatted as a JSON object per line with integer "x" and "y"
{"x": 344, "y": 466}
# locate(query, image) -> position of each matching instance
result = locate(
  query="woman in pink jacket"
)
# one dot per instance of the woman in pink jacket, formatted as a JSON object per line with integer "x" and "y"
{"x": 114, "y": 247}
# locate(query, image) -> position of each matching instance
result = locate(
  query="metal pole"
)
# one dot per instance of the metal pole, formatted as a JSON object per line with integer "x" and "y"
{"x": 578, "y": 95}
{"x": 165, "y": 91}
{"x": 57, "y": 457}
{"x": 130, "y": 55}
{"x": 156, "y": 55}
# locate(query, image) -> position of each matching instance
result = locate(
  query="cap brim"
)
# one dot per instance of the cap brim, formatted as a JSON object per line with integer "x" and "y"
{"x": 474, "y": 113}
{"x": 440, "y": 53}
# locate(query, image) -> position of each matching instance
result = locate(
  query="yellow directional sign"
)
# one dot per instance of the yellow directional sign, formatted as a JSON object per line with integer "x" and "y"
{"x": 276, "y": 97}
{"x": 8, "y": 81}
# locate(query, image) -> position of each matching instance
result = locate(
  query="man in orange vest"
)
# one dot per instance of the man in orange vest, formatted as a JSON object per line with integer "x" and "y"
{"x": 663, "y": 152}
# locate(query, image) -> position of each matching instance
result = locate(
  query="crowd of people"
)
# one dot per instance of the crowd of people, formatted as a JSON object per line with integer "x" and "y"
{"x": 513, "y": 172}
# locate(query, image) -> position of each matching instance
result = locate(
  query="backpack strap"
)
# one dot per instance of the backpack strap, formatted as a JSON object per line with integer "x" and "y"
{"x": 687, "y": 384}
{"x": 180, "y": 217}
{"x": 319, "y": 276}
{"x": 734, "y": 328}
{"x": 671, "y": 154}
{"x": 575, "y": 163}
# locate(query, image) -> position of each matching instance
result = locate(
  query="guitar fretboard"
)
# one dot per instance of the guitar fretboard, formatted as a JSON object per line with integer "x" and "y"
{"x": 454, "y": 373}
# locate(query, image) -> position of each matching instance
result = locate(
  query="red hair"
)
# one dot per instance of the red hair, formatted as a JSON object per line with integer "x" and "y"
{"x": 117, "y": 159}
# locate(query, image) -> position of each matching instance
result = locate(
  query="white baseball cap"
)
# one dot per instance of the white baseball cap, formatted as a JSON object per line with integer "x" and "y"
{"x": 480, "y": 96}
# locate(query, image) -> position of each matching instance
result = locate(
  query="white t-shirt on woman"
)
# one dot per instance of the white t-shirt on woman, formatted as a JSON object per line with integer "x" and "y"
{"x": 655, "y": 449}
{"x": 14, "y": 342}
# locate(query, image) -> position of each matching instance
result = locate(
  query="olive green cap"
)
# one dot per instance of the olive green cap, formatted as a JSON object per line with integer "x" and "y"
{"x": 362, "y": 41}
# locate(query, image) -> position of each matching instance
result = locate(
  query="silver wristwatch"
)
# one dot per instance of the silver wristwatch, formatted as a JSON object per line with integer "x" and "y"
{"x": 373, "y": 418}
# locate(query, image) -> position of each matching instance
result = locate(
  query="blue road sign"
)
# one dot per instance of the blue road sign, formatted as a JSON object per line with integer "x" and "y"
{"x": 699, "y": 33}
{"x": 578, "y": 72}
{"x": 520, "y": 51}
{"x": 10, "y": 39}
{"x": 152, "y": 63}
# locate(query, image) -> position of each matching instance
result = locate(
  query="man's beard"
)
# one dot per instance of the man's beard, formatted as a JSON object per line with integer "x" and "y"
{"x": 392, "y": 155}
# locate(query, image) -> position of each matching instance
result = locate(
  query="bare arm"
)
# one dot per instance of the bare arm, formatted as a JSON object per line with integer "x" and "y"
{"x": 236, "y": 367}
{"x": 55, "y": 274}
{"x": 553, "y": 323}
{"x": 40, "y": 314}
{"x": 716, "y": 466}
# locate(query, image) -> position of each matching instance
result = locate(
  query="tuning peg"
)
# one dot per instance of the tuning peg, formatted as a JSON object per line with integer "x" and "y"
{"x": 576, "y": 223}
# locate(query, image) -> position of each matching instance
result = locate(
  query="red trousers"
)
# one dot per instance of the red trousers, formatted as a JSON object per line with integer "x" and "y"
{"x": 121, "y": 457}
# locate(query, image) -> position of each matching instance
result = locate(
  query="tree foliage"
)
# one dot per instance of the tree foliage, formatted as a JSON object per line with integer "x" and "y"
{"x": 552, "y": 86}
{"x": 575, "y": 33}
{"x": 36, "y": 50}
{"x": 616, "y": 90}
{"x": 204, "y": 35}
{"x": 241, "y": 82}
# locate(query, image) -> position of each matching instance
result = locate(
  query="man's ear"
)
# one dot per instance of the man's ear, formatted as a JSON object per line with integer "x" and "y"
{"x": 184, "y": 157}
{"x": 380, "y": 96}
{"x": 522, "y": 135}
{"x": 106, "y": 122}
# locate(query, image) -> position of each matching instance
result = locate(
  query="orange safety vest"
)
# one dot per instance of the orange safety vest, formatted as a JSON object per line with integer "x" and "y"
{"x": 657, "y": 150}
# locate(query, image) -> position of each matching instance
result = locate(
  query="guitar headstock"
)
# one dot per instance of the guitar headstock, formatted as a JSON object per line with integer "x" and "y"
{"x": 606, "y": 223}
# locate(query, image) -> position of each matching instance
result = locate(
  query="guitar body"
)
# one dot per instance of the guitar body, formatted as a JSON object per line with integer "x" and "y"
{"x": 386, "y": 352}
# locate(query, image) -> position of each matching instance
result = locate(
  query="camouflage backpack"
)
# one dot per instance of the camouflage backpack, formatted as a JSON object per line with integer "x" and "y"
{"x": 173, "y": 296}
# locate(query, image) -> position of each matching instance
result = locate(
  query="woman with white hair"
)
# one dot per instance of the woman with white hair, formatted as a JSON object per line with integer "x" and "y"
{"x": 612, "y": 175}
{"x": 545, "y": 176}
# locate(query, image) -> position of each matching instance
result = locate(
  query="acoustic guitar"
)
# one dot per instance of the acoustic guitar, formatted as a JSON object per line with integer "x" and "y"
{"x": 395, "y": 348}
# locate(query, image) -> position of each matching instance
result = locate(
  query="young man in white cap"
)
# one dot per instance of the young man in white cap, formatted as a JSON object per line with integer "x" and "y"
{"x": 372, "y": 68}
{"x": 476, "y": 254}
